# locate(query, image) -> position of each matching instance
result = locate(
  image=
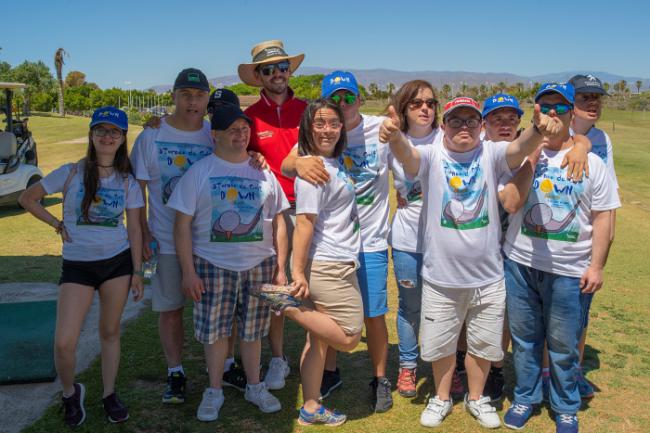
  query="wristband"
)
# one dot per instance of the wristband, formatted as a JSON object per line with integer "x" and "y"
{"x": 140, "y": 273}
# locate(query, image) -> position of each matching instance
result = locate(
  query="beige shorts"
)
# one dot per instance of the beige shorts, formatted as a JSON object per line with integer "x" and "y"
{"x": 166, "y": 290}
{"x": 334, "y": 290}
{"x": 444, "y": 310}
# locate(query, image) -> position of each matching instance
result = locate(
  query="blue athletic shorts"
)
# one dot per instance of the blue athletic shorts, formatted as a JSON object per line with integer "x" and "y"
{"x": 372, "y": 275}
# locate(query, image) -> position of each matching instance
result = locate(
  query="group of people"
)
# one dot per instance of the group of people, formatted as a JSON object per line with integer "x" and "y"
{"x": 282, "y": 210}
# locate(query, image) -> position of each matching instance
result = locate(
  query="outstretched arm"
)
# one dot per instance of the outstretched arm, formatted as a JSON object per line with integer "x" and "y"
{"x": 406, "y": 154}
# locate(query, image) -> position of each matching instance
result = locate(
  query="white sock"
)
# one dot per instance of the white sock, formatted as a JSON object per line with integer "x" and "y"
{"x": 217, "y": 391}
{"x": 229, "y": 362}
{"x": 178, "y": 368}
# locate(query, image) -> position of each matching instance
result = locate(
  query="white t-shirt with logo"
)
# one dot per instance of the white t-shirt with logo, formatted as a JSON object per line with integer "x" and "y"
{"x": 233, "y": 205}
{"x": 405, "y": 229}
{"x": 160, "y": 157}
{"x": 336, "y": 234}
{"x": 462, "y": 228}
{"x": 552, "y": 232}
{"x": 366, "y": 161}
{"x": 103, "y": 235}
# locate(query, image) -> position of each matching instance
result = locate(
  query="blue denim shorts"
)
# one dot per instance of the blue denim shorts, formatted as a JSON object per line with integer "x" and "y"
{"x": 372, "y": 275}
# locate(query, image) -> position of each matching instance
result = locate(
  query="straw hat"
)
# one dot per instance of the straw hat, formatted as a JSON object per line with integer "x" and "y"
{"x": 267, "y": 52}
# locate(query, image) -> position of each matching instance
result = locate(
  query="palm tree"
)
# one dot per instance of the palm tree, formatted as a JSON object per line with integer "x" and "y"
{"x": 638, "y": 85}
{"x": 390, "y": 87}
{"x": 446, "y": 91}
{"x": 58, "y": 63}
{"x": 373, "y": 89}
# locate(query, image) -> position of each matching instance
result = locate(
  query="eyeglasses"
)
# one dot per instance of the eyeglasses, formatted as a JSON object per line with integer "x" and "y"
{"x": 267, "y": 70}
{"x": 415, "y": 104}
{"x": 456, "y": 122}
{"x": 101, "y": 132}
{"x": 559, "y": 108}
{"x": 320, "y": 126}
{"x": 348, "y": 98}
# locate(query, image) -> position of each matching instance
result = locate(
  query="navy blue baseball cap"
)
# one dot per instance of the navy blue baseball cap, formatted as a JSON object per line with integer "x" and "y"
{"x": 588, "y": 84}
{"x": 224, "y": 115}
{"x": 565, "y": 89}
{"x": 501, "y": 100}
{"x": 338, "y": 80}
{"x": 111, "y": 115}
{"x": 222, "y": 96}
{"x": 191, "y": 78}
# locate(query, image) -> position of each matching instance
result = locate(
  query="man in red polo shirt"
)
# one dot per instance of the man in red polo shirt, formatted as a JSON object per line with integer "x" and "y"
{"x": 274, "y": 132}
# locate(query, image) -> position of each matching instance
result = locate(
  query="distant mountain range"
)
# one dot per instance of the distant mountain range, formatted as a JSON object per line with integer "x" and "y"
{"x": 382, "y": 77}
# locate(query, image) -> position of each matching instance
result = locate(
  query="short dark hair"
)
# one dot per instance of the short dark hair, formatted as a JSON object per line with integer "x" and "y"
{"x": 409, "y": 90}
{"x": 306, "y": 145}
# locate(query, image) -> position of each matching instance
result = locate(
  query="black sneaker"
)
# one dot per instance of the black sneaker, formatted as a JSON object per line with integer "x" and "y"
{"x": 381, "y": 398}
{"x": 175, "y": 391}
{"x": 235, "y": 377}
{"x": 73, "y": 406}
{"x": 115, "y": 409}
{"x": 494, "y": 384}
{"x": 331, "y": 381}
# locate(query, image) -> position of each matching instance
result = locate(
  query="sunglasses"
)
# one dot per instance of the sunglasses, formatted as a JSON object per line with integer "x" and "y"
{"x": 348, "y": 98}
{"x": 102, "y": 132}
{"x": 267, "y": 70}
{"x": 456, "y": 122}
{"x": 559, "y": 108}
{"x": 414, "y": 104}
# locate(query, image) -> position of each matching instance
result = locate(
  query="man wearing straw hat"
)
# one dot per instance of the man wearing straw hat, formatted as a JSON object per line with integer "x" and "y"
{"x": 274, "y": 131}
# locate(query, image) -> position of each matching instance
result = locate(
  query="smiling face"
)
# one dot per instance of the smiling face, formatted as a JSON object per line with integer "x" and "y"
{"x": 326, "y": 131}
{"x": 277, "y": 82}
{"x": 420, "y": 117}
{"x": 234, "y": 140}
{"x": 462, "y": 138}
{"x": 190, "y": 104}
{"x": 106, "y": 139}
{"x": 350, "y": 111}
{"x": 502, "y": 124}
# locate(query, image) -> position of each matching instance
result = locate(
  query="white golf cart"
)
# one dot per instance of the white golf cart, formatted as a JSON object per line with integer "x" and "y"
{"x": 18, "y": 157}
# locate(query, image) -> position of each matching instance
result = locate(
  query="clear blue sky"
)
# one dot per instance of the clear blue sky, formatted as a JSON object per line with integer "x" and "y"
{"x": 147, "y": 43}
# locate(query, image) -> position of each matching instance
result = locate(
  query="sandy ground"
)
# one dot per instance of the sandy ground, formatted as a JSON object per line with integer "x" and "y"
{"x": 21, "y": 405}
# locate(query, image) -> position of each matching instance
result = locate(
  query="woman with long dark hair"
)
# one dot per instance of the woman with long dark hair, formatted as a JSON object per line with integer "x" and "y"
{"x": 99, "y": 253}
{"x": 416, "y": 105}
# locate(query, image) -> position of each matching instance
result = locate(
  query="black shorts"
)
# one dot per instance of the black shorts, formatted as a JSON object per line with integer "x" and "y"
{"x": 96, "y": 272}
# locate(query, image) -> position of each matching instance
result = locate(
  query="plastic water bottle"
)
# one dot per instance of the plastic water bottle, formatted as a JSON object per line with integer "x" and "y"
{"x": 151, "y": 266}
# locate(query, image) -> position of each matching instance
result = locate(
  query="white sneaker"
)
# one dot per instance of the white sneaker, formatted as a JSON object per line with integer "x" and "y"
{"x": 278, "y": 371}
{"x": 485, "y": 414}
{"x": 210, "y": 404}
{"x": 262, "y": 398}
{"x": 435, "y": 412}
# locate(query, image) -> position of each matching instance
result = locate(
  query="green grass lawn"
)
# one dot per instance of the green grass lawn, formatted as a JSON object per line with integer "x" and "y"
{"x": 617, "y": 356}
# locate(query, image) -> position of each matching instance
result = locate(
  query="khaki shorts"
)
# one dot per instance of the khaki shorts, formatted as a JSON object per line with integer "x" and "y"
{"x": 334, "y": 290}
{"x": 166, "y": 290}
{"x": 444, "y": 310}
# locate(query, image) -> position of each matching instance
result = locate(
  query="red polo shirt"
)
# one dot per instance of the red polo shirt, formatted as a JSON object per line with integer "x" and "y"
{"x": 274, "y": 133}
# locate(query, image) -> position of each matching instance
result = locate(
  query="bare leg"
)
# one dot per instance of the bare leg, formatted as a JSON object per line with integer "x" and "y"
{"x": 443, "y": 370}
{"x": 112, "y": 295}
{"x": 330, "y": 360}
{"x": 71, "y": 309}
{"x": 170, "y": 327}
{"x": 251, "y": 352}
{"x": 323, "y": 327}
{"x": 477, "y": 372}
{"x": 311, "y": 371}
{"x": 232, "y": 339}
{"x": 276, "y": 336}
{"x": 215, "y": 357}
{"x": 377, "y": 334}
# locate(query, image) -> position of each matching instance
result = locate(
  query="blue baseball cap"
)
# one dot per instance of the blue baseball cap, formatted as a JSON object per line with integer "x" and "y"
{"x": 501, "y": 100}
{"x": 111, "y": 115}
{"x": 565, "y": 89}
{"x": 339, "y": 80}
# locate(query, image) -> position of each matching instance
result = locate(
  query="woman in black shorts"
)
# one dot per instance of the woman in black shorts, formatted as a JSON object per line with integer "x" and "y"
{"x": 99, "y": 253}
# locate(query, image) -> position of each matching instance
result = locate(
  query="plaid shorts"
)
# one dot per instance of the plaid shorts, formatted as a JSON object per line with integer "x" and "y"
{"x": 226, "y": 295}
